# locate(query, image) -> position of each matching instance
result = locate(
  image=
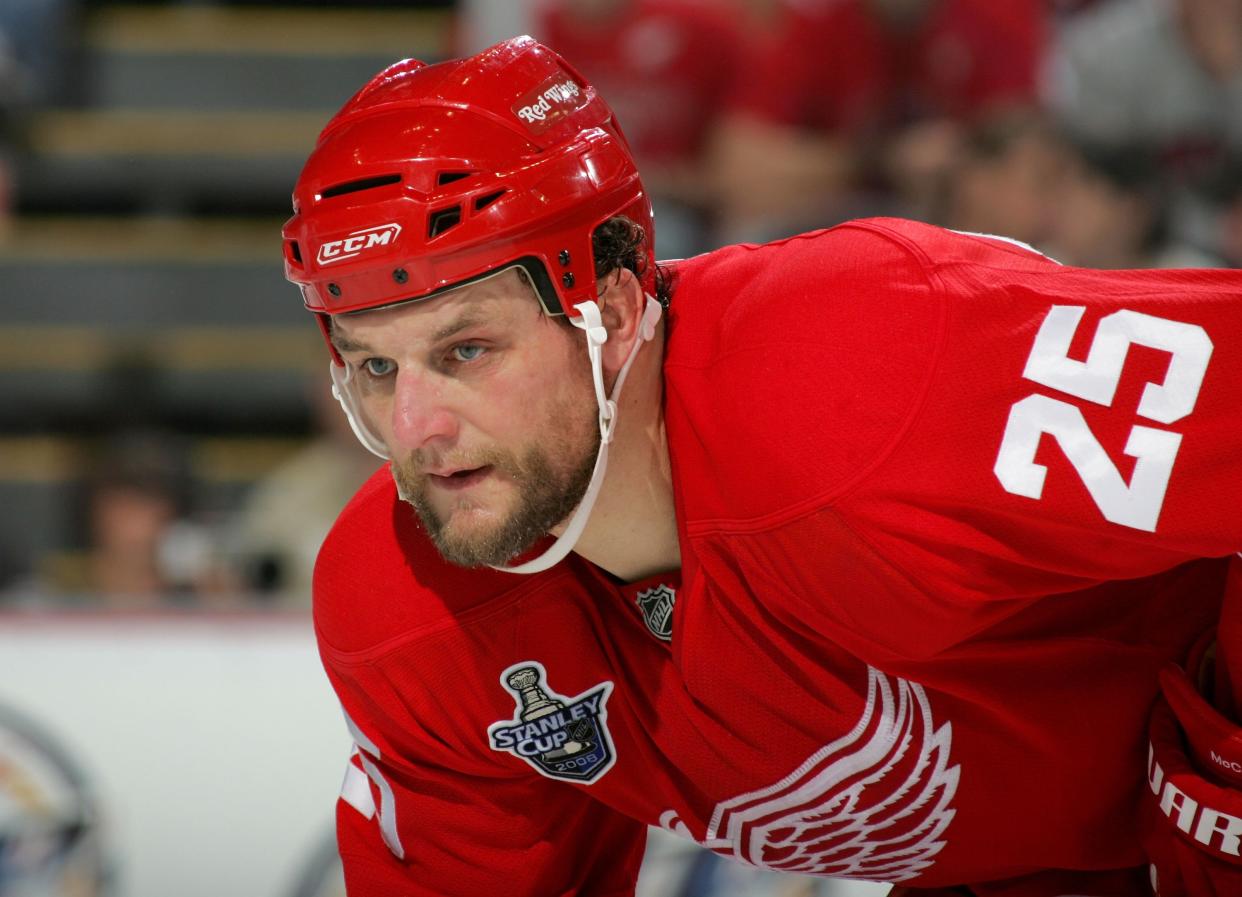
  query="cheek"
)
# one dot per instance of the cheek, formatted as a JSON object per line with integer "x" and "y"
{"x": 575, "y": 413}
{"x": 555, "y": 382}
{"x": 375, "y": 409}
{"x": 506, "y": 409}
{"x": 575, "y": 390}
{"x": 547, "y": 415}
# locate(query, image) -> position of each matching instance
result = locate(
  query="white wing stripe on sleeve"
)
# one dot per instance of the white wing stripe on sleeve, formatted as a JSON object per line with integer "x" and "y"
{"x": 388, "y": 817}
{"x": 359, "y": 736}
{"x": 387, "y": 807}
{"x": 356, "y": 789}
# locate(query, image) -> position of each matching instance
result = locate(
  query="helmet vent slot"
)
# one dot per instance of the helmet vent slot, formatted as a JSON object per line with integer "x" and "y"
{"x": 442, "y": 220}
{"x": 295, "y": 251}
{"x": 482, "y": 202}
{"x": 447, "y": 177}
{"x": 382, "y": 180}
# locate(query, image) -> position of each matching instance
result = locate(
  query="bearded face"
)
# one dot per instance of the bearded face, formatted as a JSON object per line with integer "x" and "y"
{"x": 487, "y": 408}
{"x": 545, "y": 481}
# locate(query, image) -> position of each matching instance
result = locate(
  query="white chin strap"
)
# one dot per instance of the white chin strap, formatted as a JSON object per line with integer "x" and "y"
{"x": 596, "y": 334}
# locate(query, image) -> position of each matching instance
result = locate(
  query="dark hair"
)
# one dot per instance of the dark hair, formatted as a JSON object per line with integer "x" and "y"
{"x": 995, "y": 134}
{"x": 147, "y": 462}
{"x": 1134, "y": 171}
{"x": 622, "y": 243}
{"x": 1131, "y": 169}
{"x": 153, "y": 464}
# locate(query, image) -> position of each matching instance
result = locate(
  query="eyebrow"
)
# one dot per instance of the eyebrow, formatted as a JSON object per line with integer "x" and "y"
{"x": 462, "y": 323}
{"x": 344, "y": 344}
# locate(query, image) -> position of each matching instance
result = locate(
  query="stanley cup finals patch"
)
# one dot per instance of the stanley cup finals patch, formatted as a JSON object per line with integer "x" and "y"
{"x": 562, "y": 738}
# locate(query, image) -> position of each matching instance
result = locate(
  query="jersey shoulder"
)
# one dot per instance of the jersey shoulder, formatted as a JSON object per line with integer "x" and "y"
{"x": 379, "y": 578}
{"x": 791, "y": 366}
{"x": 861, "y": 267}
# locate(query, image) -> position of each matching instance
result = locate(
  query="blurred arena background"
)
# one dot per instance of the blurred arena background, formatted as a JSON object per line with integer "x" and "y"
{"x": 169, "y": 455}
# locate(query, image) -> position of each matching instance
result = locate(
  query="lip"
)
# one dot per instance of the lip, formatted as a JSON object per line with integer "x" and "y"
{"x": 454, "y": 483}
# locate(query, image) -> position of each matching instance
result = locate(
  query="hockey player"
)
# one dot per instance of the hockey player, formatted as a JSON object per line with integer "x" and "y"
{"x": 855, "y": 554}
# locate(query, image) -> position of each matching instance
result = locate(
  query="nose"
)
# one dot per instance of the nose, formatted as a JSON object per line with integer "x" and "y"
{"x": 421, "y": 416}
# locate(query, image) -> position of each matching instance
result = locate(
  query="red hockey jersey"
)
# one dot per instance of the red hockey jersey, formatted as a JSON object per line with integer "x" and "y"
{"x": 945, "y": 507}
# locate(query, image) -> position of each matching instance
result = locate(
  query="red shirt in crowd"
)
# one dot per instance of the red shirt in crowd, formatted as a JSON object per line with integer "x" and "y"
{"x": 666, "y": 66}
{"x": 838, "y": 65}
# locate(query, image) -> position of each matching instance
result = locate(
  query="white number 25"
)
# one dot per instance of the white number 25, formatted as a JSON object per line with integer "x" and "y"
{"x": 1135, "y": 504}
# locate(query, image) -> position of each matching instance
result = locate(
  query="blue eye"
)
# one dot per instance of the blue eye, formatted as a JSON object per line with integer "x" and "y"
{"x": 379, "y": 367}
{"x": 467, "y": 352}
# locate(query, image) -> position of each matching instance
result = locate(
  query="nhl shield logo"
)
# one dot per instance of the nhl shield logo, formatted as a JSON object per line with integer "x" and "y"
{"x": 657, "y": 607}
{"x": 561, "y": 737}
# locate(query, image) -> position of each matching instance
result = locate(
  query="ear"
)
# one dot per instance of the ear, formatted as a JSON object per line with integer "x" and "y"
{"x": 622, "y": 302}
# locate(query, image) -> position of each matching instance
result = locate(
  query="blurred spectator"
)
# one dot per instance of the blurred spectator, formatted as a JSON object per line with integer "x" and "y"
{"x": 759, "y": 17}
{"x": 135, "y": 494}
{"x": 666, "y": 67}
{"x": 1064, "y": 8}
{"x": 1111, "y": 212}
{"x": 840, "y": 80}
{"x": 1005, "y": 179}
{"x": 141, "y": 549}
{"x": 1161, "y": 74}
{"x": 287, "y": 514}
{"x": 1088, "y": 205}
{"x": 1226, "y": 198}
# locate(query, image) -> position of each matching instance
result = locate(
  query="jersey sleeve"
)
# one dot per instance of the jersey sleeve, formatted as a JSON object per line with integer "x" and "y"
{"x": 409, "y": 829}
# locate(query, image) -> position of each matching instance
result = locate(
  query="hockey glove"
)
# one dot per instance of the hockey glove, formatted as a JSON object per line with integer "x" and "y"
{"x": 1192, "y": 809}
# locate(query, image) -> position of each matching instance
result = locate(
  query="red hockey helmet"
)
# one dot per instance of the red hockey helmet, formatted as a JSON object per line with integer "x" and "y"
{"x": 433, "y": 176}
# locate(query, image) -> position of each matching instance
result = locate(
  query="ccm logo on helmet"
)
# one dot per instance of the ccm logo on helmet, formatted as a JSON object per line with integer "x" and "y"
{"x": 357, "y": 243}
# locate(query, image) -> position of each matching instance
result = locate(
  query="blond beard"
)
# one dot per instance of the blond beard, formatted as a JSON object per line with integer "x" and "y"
{"x": 546, "y": 496}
